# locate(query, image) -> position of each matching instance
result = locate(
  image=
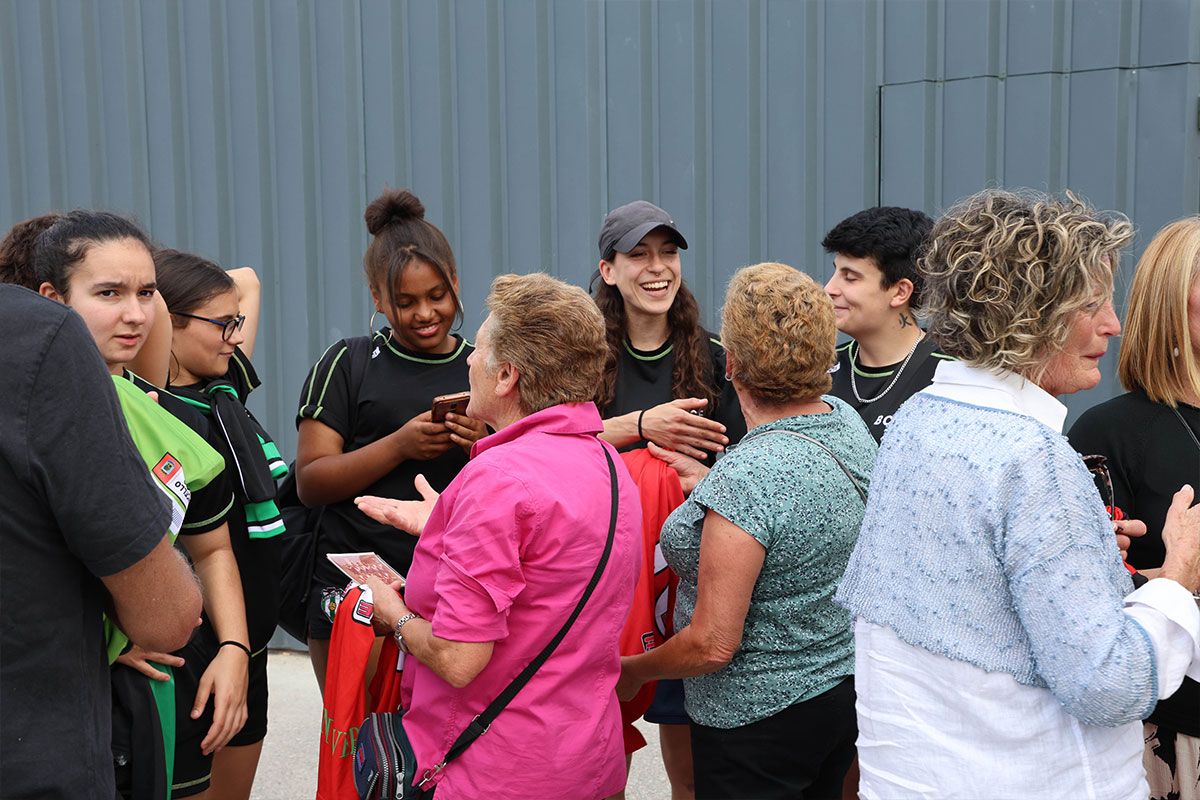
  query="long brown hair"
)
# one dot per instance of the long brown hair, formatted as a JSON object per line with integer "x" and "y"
{"x": 692, "y": 374}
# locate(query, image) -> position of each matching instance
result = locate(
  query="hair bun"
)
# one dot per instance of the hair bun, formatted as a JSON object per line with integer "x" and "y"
{"x": 392, "y": 205}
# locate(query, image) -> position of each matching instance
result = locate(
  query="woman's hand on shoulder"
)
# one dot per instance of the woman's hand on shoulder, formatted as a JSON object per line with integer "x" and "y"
{"x": 690, "y": 470}
{"x": 1181, "y": 535}
{"x": 407, "y": 515}
{"x": 422, "y": 439}
{"x": 465, "y": 431}
{"x": 674, "y": 426}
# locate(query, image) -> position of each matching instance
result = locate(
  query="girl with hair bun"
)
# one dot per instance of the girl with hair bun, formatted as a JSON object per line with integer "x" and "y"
{"x": 365, "y": 418}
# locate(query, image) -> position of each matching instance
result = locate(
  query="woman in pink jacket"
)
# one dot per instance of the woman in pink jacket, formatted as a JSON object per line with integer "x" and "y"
{"x": 504, "y": 556}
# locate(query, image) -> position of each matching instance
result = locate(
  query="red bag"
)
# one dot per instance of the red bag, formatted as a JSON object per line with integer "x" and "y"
{"x": 345, "y": 705}
{"x": 649, "y": 622}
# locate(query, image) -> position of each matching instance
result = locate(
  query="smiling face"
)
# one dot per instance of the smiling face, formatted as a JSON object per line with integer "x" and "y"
{"x": 199, "y": 351}
{"x": 1077, "y": 366}
{"x": 648, "y": 275}
{"x": 112, "y": 289}
{"x": 424, "y": 309}
{"x": 861, "y": 303}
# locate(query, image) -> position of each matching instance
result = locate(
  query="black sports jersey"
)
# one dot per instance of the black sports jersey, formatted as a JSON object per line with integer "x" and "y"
{"x": 870, "y": 381}
{"x": 211, "y": 504}
{"x": 1150, "y": 456}
{"x": 257, "y": 559}
{"x": 644, "y": 381}
{"x": 397, "y": 385}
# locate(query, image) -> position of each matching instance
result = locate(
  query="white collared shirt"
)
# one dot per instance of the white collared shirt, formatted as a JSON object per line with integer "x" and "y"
{"x": 932, "y": 727}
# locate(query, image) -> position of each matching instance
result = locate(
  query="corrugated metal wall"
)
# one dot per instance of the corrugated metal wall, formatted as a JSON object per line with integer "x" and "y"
{"x": 256, "y": 132}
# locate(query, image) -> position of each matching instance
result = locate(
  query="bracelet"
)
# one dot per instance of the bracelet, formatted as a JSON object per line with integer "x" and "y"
{"x": 641, "y": 435}
{"x": 409, "y": 617}
{"x": 238, "y": 645}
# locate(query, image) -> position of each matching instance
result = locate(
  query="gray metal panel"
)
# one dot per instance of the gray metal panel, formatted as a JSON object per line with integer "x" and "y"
{"x": 256, "y": 132}
{"x": 1125, "y": 140}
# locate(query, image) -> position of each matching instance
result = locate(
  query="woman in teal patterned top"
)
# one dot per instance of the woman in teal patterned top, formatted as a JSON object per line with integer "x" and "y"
{"x": 759, "y": 546}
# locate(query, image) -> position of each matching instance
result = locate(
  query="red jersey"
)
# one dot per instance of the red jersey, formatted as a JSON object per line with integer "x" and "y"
{"x": 649, "y": 621}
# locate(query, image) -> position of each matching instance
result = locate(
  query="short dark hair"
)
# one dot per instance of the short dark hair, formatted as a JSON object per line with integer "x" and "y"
{"x": 892, "y": 237}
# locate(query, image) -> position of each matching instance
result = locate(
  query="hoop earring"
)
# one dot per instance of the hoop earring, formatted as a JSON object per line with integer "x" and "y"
{"x": 728, "y": 377}
{"x": 371, "y": 322}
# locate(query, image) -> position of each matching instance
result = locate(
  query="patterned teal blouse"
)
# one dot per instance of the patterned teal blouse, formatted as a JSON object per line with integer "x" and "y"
{"x": 798, "y": 504}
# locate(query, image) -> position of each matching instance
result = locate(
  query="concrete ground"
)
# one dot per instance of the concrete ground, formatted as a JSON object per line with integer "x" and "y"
{"x": 288, "y": 768}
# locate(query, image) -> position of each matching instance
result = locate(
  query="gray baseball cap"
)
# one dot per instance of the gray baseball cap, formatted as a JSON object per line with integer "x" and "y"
{"x": 625, "y": 226}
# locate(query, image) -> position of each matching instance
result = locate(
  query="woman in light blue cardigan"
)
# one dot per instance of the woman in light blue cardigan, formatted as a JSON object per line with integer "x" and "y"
{"x": 1001, "y": 651}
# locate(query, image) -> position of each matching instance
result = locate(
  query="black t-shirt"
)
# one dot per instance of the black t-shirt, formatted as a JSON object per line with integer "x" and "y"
{"x": 397, "y": 385}
{"x": 210, "y": 505}
{"x": 1150, "y": 456}
{"x": 644, "y": 381}
{"x": 870, "y": 381}
{"x": 257, "y": 559}
{"x": 76, "y": 503}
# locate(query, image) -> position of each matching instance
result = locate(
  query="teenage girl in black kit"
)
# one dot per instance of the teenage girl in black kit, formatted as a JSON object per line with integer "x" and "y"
{"x": 378, "y": 437}
{"x": 664, "y": 387}
{"x": 214, "y": 317}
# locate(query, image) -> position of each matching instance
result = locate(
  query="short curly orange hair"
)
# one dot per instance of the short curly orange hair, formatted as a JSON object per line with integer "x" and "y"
{"x": 778, "y": 324}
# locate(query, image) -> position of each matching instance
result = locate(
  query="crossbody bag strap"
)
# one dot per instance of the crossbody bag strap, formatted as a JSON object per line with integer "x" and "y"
{"x": 862, "y": 493}
{"x": 481, "y": 723}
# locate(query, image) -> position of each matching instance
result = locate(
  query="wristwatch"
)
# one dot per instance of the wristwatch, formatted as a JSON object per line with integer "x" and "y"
{"x": 396, "y": 630}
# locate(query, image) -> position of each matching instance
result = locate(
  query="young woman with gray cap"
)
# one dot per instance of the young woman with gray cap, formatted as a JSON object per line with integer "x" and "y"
{"x": 662, "y": 387}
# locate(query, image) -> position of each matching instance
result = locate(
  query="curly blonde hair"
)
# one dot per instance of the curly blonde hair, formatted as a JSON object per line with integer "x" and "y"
{"x": 1006, "y": 272}
{"x": 1157, "y": 324}
{"x": 779, "y": 327}
{"x": 552, "y": 333}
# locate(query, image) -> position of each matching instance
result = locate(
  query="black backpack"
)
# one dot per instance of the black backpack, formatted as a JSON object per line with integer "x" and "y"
{"x": 298, "y": 543}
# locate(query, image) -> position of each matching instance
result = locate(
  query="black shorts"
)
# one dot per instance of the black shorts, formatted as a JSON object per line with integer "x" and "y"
{"x": 193, "y": 769}
{"x": 667, "y": 706}
{"x": 802, "y": 752}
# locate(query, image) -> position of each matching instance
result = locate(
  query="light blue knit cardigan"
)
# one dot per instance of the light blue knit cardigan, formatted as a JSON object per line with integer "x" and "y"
{"x": 985, "y": 541}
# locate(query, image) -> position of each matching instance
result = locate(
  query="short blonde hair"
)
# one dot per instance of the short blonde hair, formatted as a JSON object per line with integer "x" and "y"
{"x": 1006, "y": 273}
{"x": 552, "y": 333}
{"x": 779, "y": 326}
{"x": 1156, "y": 326}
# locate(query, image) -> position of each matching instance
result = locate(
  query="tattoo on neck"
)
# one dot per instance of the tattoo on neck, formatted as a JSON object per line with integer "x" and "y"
{"x": 906, "y": 320}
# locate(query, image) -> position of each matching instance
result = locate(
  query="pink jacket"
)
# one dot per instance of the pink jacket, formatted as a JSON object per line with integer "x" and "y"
{"x": 504, "y": 558}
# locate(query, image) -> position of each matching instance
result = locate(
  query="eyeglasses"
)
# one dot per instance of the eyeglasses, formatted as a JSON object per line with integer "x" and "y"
{"x": 1098, "y": 466}
{"x": 227, "y": 326}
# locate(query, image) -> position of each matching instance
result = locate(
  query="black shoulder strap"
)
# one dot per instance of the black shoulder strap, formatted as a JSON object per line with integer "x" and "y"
{"x": 481, "y": 723}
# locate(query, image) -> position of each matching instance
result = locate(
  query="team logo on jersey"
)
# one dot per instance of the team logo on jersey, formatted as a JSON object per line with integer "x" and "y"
{"x": 375, "y": 352}
{"x": 170, "y": 473}
{"x": 167, "y": 467}
{"x": 364, "y": 608}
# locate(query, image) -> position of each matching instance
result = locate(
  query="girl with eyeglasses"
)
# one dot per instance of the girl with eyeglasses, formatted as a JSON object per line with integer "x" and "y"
{"x": 214, "y": 317}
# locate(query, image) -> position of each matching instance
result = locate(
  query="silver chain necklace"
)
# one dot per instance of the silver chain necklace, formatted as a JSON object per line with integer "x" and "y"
{"x": 895, "y": 377}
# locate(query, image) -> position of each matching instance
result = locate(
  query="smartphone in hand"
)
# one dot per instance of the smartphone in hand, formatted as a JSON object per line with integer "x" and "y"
{"x": 450, "y": 404}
